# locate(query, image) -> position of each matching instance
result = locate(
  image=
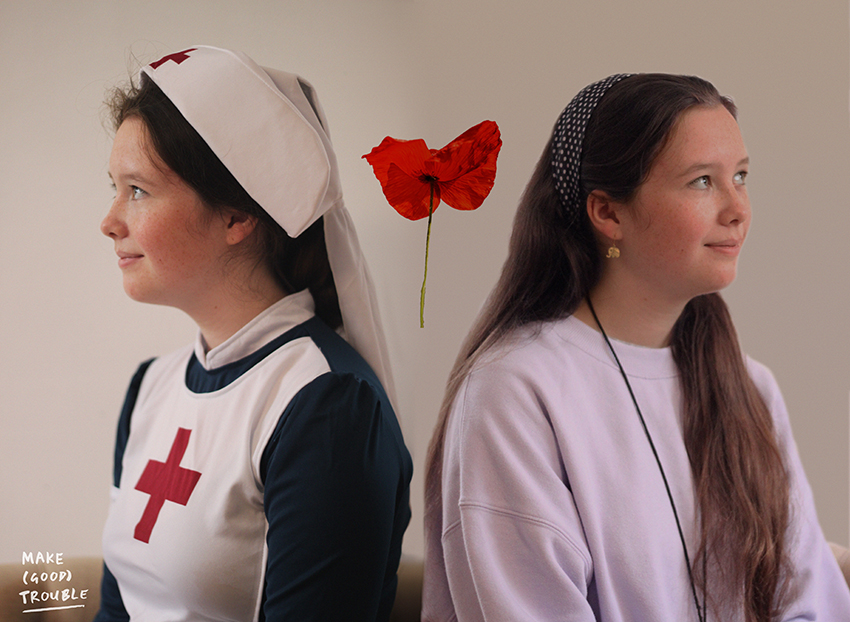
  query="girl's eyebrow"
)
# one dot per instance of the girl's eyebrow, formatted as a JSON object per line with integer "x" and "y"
{"x": 704, "y": 165}
{"x": 131, "y": 177}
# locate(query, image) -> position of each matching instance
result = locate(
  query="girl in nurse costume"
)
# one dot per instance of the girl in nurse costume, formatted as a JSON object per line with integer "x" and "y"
{"x": 260, "y": 472}
{"x": 605, "y": 452}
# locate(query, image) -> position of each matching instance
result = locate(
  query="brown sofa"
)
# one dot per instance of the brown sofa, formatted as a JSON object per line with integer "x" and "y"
{"x": 85, "y": 574}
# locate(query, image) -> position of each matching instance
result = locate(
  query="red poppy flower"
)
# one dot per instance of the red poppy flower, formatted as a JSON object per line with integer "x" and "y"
{"x": 414, "y": 178}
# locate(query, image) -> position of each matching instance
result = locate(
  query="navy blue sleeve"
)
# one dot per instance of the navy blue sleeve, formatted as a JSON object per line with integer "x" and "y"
{"x": 111, "y": 605}
{"x": 337, "y": 476}
{"x": 123, "y": 432}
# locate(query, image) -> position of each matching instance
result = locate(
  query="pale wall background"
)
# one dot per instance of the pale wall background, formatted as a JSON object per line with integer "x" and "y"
{"x": 408, "y": 68}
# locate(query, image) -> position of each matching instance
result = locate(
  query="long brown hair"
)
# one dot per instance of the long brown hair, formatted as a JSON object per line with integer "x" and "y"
{"x": 296, "y": 263}
{"x": 740, "y": 481}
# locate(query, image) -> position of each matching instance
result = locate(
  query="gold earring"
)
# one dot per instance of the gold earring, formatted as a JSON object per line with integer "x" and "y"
{"x": 613, "y": 251}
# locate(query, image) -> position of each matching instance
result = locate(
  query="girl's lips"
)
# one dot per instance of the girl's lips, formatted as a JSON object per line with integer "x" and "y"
{"x": 127, "y": 259}
{"x": 729, "y": 247}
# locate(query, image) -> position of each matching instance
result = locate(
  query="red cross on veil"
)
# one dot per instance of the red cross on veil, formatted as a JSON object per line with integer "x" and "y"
{"x": 165, "y": 481}
{"x": 177, "y": 57}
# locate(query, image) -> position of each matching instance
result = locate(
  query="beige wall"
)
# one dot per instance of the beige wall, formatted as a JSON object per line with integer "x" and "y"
{"x": 408, "y": 68}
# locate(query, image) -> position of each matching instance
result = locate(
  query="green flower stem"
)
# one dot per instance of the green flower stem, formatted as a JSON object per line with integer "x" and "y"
{"x": 425, "y": 278}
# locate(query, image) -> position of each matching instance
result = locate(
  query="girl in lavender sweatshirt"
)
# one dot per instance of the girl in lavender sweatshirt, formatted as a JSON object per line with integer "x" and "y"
{"x": 605, "y": 452}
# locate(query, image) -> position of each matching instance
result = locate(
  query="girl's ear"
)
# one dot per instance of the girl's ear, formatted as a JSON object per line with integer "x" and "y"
{"x": 604, "y": 213}
{"x": 239, "y": 226}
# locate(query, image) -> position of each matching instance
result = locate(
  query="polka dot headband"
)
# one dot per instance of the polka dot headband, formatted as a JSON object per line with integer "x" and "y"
{"x": 568, "y": 138}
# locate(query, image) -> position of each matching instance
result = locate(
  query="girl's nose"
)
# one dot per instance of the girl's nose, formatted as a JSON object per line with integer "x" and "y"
{"x": 737, "y": 209}
{"x": 112, "y": 226}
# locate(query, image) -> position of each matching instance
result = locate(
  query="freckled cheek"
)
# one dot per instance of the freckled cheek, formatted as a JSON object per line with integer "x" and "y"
{"x": 688, "y": 237}
{"x": 166, "y": 247}
{"x": 671, "y": 243}
{"x": 186, "y": 258}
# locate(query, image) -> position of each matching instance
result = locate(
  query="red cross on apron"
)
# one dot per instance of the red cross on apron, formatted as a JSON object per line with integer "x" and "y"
{"x": 165, "y": 481}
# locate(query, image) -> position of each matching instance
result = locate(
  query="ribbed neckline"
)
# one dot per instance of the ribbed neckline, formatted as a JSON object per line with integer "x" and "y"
{"x": 638, "y": 361}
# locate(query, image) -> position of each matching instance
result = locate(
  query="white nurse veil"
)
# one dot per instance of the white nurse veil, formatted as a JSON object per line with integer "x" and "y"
{"x": 268, "y": 128}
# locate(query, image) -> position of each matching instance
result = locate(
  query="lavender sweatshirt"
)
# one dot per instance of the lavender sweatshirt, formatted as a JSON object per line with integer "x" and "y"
{"x": 553, "y": 504}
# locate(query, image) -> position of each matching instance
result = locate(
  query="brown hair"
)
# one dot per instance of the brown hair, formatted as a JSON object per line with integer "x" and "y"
{"x": 741, "y": 485}
{"x": 296, "y": 263}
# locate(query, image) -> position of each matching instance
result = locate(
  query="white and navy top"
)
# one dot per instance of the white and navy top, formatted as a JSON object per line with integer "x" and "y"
{"x": 264, "y": 479}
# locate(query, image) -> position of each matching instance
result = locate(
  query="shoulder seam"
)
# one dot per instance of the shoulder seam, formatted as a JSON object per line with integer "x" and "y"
{"x": 526, "y": 518}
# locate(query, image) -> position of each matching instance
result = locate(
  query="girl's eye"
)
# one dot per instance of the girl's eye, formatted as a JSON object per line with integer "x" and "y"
{"x": 701, "y": 183}
{"x": 137, "y": 192}
{"x": 741, "y": 178}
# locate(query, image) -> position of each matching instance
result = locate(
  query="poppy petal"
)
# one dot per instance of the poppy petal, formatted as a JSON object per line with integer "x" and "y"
{"x": 408, "y": 155}
{"x": 468, "y": 191}
{"x": 467, "y": 166}
{"x": 477, "y": 146}
{"x": 411, "y": 197}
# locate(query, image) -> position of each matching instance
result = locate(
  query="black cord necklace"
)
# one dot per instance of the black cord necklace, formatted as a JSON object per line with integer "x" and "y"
{"x": 700, "y": 612}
